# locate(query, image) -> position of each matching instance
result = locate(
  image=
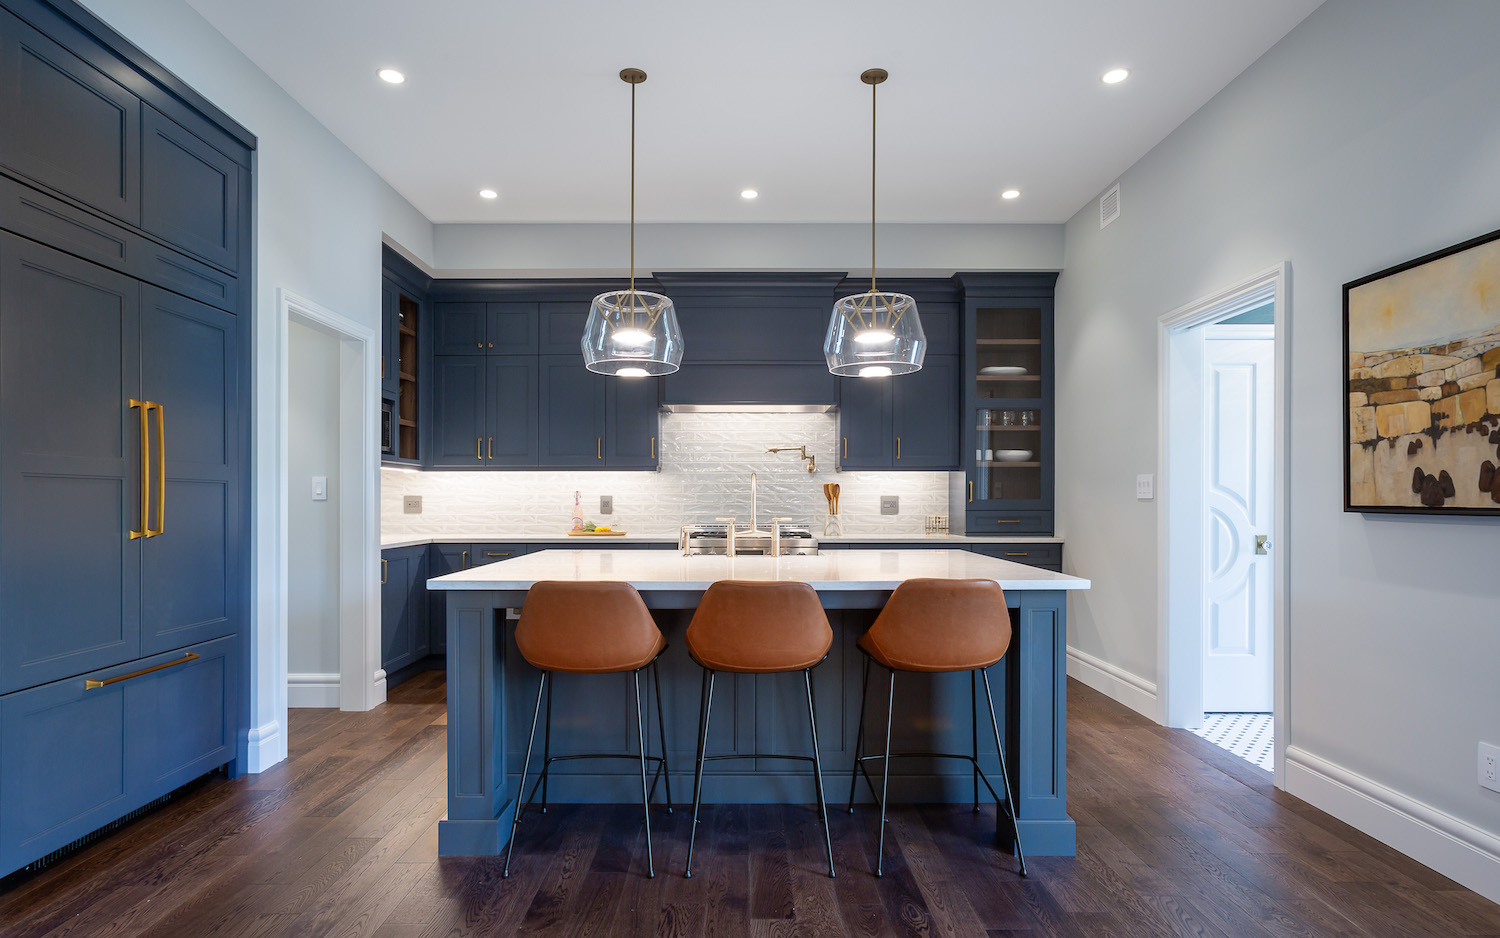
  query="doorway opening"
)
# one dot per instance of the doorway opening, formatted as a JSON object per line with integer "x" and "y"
{"x": 1222, "y": 518}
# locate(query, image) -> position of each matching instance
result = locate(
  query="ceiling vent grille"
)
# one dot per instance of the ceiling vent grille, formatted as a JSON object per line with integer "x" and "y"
{"x": 1109, "y": 205}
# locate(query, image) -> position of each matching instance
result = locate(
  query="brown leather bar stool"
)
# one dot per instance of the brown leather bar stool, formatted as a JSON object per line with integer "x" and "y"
{"x": 936, "y": 626}
{"x": 758, "y": 628}
{"x": 589, "y": 628}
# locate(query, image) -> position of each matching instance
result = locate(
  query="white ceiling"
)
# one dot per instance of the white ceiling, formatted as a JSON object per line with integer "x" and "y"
{"x": 984, "y": 95}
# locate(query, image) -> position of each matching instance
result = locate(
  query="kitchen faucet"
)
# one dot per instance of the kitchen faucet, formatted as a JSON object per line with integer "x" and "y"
{"x": 812, "y": 461}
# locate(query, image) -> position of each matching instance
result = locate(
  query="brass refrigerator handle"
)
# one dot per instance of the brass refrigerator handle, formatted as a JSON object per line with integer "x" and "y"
{"x": 161, "y": 469}
{"x": 91, "y": 684}
{"x": 145, "y": 471}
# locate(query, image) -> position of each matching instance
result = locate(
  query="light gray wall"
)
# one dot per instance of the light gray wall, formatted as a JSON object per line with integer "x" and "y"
{"x": 604, "y": 250}
{"x": 312, "y": 526}
{"x": 1367, "y": 137}
{"x": 320, "y": 214}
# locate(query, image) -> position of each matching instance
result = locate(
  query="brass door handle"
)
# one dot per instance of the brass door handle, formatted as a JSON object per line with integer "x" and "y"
{"x": 464, "y": 563}
{"x": 145, "y": 470}
{"x": 384, "y": 570}
{"x": 490, "y": 452}
{"x": 161, "y": 469}
{"x": 91, "y": 684}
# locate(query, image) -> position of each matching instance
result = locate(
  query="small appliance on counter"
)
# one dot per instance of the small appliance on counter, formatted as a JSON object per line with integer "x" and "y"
{"x": 721, "y": 538}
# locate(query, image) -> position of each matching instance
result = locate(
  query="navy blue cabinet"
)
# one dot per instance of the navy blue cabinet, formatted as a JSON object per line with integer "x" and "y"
{"x": 733, "y": 383}
{"x": 901, "y": 422}
{"x": 572, "y": 404}
{"x": 404, "y": 639}
{"x": 389, "y": 304}
{"x": 190, "y": 192}
{"x": 458, "y": 328}
{"x": 510, "y": 411}
{"x": 633, "y": 420}
{"x": 458, "y": 411}
{"x": 511, "y": 328}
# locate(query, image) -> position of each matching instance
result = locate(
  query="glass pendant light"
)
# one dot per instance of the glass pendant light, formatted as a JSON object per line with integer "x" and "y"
{"x": 874, "y": 334}
{"x": 632, "y": 333}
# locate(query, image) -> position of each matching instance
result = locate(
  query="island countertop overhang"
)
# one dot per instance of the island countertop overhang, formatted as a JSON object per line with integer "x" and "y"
{"x": 836, "y": 571}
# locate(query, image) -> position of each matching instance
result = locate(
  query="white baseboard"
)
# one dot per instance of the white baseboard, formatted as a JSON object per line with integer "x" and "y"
{"x": 312, "y": 690}
{"x": 267, "y": 746}
{"x": 1454, "y": 847}
{"x": 1114, "y": 682}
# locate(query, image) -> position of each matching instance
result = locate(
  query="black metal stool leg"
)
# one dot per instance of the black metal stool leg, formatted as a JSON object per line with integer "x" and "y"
{"x": 974, "y": 725}
{"x": 1010, "y": 799}
{"x": 703, "y": 712}
{"x": 859, "y": 737}
{"x": 885, "y": 777}
{"x": 640, "y": 726}
{"x": 812, "y": 722}
{"x": 521, "y": 792}
{"x": 661, "y": 727}
{"x": 547, "y": 748}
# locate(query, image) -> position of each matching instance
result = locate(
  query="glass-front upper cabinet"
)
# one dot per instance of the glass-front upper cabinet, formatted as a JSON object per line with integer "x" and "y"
{"x": 1008, "y": 403}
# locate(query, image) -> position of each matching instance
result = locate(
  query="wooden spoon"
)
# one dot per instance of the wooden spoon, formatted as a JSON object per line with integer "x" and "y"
{"x": 835, "y": 498}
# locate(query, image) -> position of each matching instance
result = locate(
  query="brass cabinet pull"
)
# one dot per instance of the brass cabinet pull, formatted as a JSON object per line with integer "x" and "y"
{"x": 91, "y": 684}
{"x": 491, "y": 450}
{"x": 846, "y": 447}
{"x": 479, "y": 345}
{"x": 1009, "y": 521}
{"x": 478, "y": 447}
{"x": 145, "y": 471}
{"x": 161, "y": 469}
{"x": 1016, "y": 553}
{"x": 464, "y": 564}
{"x": 493, "y": 553}
{"x": 898, "y": 447}
{"x": 492, "y": 345}
{"x": 384, "y": 570}
{"x": 598, "y": 447}
{"x": 971, "y": 490}
{"x": 653, "y": 447}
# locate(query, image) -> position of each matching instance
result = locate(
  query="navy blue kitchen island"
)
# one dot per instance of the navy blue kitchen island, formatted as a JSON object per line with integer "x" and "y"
{"x": 490, "y": 691}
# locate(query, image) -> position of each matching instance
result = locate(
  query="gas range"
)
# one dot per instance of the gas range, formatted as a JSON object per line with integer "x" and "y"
{"x": 721, "y": 537}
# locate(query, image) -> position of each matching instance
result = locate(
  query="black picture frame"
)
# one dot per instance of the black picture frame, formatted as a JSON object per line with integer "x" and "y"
{"x": 1375, "y": 408}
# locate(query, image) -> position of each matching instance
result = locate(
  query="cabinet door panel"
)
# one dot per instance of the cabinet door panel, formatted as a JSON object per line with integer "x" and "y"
{"x": 458, "y": 328}
{"x": 511, "y": 411}
{"x": 389, "y": 325}
{"x": 190, "y": 366}
{"x": 572, "y": 410}
{"x": 65, "y": 771}
{"x": 865, "y": 422}
{"x": 925, "y": 416}
{"x": 190, "y": 192}
{"x": 458, "y": 410}
{"x": 511, "y": 328}
{"x": 397, "y": 649}
{"x": 69, "y": 467}
{"x": 416, "y": 601}
{"x": 66, "y": 124}
{"x": 634, "y": 412}
{"x": 561, "y": 328}
{"x": 442, "y": 560}
{"x": 182, "y": 718}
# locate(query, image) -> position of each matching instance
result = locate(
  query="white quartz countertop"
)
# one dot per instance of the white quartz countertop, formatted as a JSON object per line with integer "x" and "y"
{"x": 835, "y": 570}
{"x": 491, "y": 537}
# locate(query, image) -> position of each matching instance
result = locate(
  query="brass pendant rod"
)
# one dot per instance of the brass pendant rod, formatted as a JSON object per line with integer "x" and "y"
{"x": 873, "y": 87}
{"x": 632, "y": 187}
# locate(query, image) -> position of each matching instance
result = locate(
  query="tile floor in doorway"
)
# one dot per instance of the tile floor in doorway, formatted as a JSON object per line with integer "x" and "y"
{"x": 1247, "y": 735}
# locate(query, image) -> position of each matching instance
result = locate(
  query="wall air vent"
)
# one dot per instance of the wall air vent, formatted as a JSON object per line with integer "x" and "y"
{"x": 1109, "y": 205}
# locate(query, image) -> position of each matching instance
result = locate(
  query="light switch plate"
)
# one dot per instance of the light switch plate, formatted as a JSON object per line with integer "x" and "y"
{"x": 411, "y": 504}
{"x": 606, "y": 504}
{"x": 1489, "y": 767}
{"x": 890, "y": 504}
{"x": 1145, "y": 487}
{"x": 320, "y": 488}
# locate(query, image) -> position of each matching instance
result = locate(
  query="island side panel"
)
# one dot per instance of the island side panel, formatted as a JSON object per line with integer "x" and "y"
{"x": 1036, "y": 718}
{"x": 479, "y": 808}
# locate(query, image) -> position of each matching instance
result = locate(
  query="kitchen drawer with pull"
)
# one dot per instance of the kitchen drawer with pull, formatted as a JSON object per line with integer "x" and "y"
{"x": 481, "y": 554}
{"x": 1046, "y": 556}
{"x": 989, "y": 523}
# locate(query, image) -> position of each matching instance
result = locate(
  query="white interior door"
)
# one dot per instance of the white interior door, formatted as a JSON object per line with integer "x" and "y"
{"x": 1239, "y": 399}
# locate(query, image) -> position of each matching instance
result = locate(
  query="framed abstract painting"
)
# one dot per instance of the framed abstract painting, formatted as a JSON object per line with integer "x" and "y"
{"x": 1422, "y": 392}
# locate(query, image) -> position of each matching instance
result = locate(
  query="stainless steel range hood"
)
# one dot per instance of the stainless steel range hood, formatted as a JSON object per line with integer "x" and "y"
{"x": 749, "y": 408}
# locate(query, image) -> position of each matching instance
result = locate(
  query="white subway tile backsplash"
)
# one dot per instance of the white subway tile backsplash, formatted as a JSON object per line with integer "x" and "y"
{"x": 706, "y": 461}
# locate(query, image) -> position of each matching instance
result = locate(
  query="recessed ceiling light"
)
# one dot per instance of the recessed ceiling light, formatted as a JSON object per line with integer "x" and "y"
{"x": 391, "y": 75}
{"x": 488, "y": 194}
{"x": 1011, "y": 194}
{"x": 749, "y": 194}
{"x": 1116, "y": 75}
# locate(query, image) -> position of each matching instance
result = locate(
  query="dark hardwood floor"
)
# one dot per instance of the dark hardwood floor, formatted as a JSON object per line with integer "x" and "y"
{"x": 1175, "y": 837}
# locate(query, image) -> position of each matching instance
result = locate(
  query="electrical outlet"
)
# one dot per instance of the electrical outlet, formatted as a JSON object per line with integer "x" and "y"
{"x": 606, "y": 504}
{"x": 890, "y": 504}
{"x": 1489, "y": 767}
{"x": 411, "y": 504}
{"x": 1145, "y": 487}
